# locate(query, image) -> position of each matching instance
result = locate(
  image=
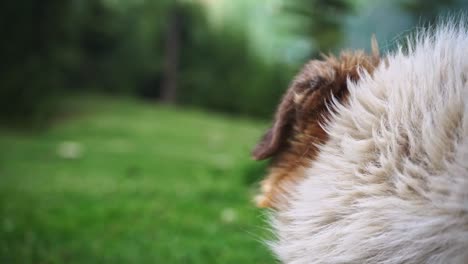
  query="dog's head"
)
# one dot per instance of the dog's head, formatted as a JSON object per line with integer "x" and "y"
{"x": 297, "y": 131}
{"x": 362, "y": 168}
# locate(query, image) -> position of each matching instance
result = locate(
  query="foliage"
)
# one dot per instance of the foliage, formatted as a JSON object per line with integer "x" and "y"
{"x": 34, "y": 35}
{"x": 430, "y": 10}
{"x": 233, "y": 56}
{"x": 325, "y": 29}
{"x": 118, "y": 47}
{"x": 221, "y": 77}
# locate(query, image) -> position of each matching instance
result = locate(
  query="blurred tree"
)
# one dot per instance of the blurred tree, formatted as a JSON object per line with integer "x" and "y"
{"x": 322, "y": 21}
{"x": 163, "y": 49}
{"x": 34, "y": 37}
{"x": 98, "y": 39}
{"x": 220, "y": 71}
{"x": 428, "y": 11}
{"x": 171, "y": 58}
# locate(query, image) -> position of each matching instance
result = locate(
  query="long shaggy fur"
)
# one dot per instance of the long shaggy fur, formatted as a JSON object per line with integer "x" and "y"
{"x": 391, "y": 183}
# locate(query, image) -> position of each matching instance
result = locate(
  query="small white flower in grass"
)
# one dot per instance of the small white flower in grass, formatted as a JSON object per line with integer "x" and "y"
{"x": 228, "y": 215}
{"x": 70, "y": 150}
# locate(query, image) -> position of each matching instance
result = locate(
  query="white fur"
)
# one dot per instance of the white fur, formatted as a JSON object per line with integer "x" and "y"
{"x": 391, "y": 184}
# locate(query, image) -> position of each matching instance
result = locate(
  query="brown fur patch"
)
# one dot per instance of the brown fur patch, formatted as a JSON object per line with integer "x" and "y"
{"x": 292, "y": 141}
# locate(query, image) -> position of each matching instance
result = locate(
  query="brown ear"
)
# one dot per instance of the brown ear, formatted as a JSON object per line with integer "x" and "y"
{"x": 298, "y": 127}
{"x": 315, "y": 75}
{"x": 276, "y": 136}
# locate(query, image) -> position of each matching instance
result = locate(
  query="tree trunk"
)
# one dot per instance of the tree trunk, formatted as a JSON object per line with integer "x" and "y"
{"x": 171, "y": 58}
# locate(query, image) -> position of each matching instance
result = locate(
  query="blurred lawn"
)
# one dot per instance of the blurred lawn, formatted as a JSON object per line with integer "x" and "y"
{"x": 121, "y": 181}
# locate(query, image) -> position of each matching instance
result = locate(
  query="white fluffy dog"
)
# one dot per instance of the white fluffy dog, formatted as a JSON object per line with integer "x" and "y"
{"x": 370, "y": 156}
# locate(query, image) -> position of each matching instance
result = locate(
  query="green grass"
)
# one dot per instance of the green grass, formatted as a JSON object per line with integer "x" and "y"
{"x": 152, "y": 184}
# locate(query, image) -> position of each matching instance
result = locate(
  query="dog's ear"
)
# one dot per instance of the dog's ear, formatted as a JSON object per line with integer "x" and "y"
{"x": 276, "y": 136}
{"x": 296, "y": 102}
{"x": 298, "y": 128}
